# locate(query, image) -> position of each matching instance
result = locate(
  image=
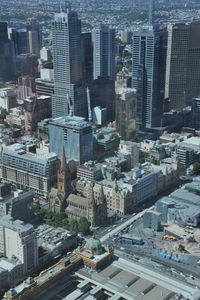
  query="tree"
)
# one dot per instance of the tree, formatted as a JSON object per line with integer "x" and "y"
{"x": 181, "y": 169}
{"x": 73, "y": 225}
{"x": 196, "y": 168}
{"x": 36, "y": 207}
{"x": 83, "y": 225}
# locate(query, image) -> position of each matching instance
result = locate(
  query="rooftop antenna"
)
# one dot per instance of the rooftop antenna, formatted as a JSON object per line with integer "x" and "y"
{"x": 151, "y": 12}
{"x": 89, "y": 105}
{"x": 67, "y": 6}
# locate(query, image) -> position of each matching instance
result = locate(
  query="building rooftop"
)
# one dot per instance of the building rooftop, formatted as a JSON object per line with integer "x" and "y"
{"x": 77, "y": 199}
{"x": 17, "y": 225}
{"x": 19, "y": 150}
{"x": 74, "y": 121}
{"x": 6, "y": 265}
{"x": 130, "y": 280}
{"x": 50, "y": 237}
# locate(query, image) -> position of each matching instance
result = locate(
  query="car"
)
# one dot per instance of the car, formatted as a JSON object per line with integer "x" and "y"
{"x": 122, "y": 248}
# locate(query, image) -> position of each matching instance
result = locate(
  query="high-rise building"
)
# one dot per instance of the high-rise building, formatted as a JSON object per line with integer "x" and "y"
{"x": 148, "y": 77}
{"x": 176, "y": 67}
{"x": 102, "y": 93}
{"x": 34, "y": 37}
{"x": 20, "y": 40}
{"x": 193, "y": 63}
{"x": 196, "y": 113}
{"x": 19, "y": 240}
{"x": 183, "y": 64}
{"x": 25, "y": 87}
{"x": 69, "y": 93}
{"x": 87, "y": 56}
{"x": 74, "y": 135}
{"x": 7, "y": 54}
{"x": 126, "y": 113}
{"x": 44, "y": 87}
{"x": 36, "y": 109}
{"x": 27, "y": 64}
{"x": 103, "y": 39}
{"x": 45, "y": 54}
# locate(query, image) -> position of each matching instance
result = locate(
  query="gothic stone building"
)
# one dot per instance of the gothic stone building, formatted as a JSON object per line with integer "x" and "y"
{"x": 58, "y": 196}
{"x": 93, "y": 209}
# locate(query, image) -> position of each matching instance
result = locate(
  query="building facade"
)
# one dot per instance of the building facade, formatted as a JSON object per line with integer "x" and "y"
{"x": 66, "y": 38}
{"x": 19, "y": 240}
{"x": 7, "y": 55}
{"x": 36, "y": 109}
{"x": 74, "y": 135}
{"x": 103, "y": 52}
{"x": 182, "y": 70}
{"x": 58, "y": 196}
{"x": 148, "y": 77}
{"x": 94, "y": 209}
{"x": 126, "y": 113}
{"x": 196, "y": 113}
{"x": 28, "y": 170}
{"x": 8, "y": 98}
{"x": 34, "y": 37}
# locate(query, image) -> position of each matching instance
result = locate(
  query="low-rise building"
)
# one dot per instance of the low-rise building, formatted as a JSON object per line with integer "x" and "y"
{"x": 15, "y": 117}
{"x": 53, "y": 242}
{"x": 181, "y": 207}
{"x": 118, "y": 199}
{"x": 94, "y": 255}
{"x": 106, "y": 141}
{"x": 90, "y": 171}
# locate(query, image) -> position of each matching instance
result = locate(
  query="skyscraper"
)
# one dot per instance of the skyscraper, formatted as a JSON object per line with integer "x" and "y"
{"x": 20, "y": 40}
{"x": 103, "y": 52}
{"x": 183, "y": 64}
{"x": 193, "y": 63}
{"x": 148, "y": 75}
{"x": 196, "y": 113}
{"x": 34, "y": 37}
{"x": 7, "y": 54}
{"x": 87, "y": 56}
{"x": 69, "y": 93}
{"x": 176, "y": 68}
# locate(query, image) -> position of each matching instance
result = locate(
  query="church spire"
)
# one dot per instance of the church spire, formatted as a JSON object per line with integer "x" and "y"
{"x": 64, "y": 176}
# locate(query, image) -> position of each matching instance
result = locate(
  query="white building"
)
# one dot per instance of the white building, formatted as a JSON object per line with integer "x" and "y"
{"x": 103, "y": 39}
{"x": 99, "y": 115}
{"x": 45, "y": 54}
{"x": 8, "y": 98}
{"x": 19, "y": 240}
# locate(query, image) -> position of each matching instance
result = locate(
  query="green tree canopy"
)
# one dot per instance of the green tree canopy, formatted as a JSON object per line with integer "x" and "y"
{"x": 196, "y": 168}
{"x": 84, "y": 225}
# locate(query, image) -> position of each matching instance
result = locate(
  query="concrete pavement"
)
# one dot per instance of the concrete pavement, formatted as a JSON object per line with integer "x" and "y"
{"x": 124, "y": 225}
